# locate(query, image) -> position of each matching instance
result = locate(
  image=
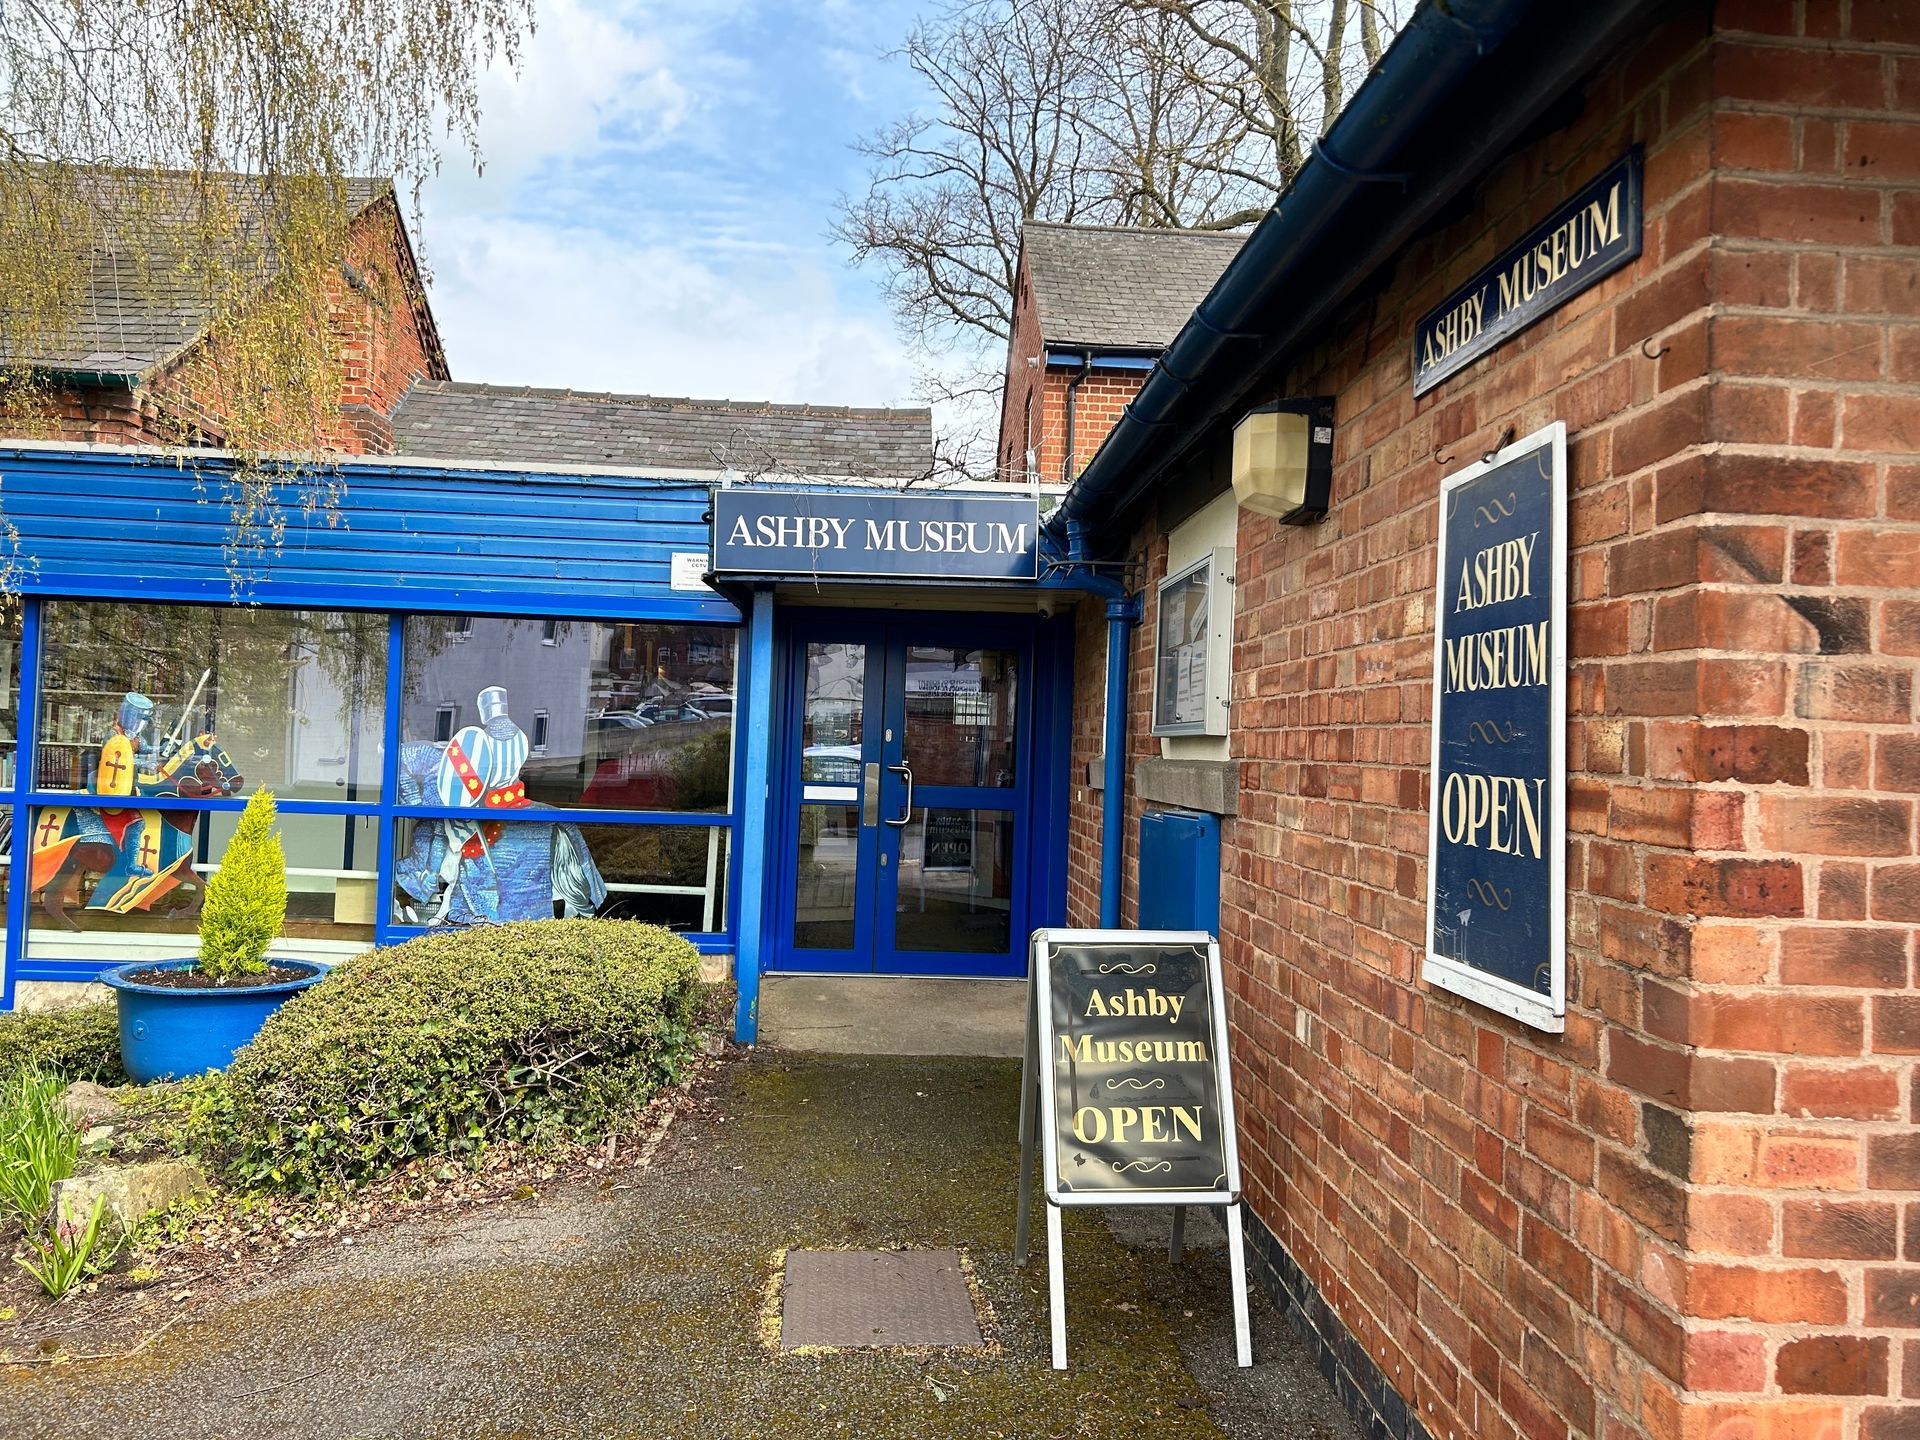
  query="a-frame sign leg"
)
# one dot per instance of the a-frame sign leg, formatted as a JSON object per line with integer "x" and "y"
{"x": 1237, "y": 1257}
{"x": 1177, "y": 1246}
{"x": 1057, "y": 1287}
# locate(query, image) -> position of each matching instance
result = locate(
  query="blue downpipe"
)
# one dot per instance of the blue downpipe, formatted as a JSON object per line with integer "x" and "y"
{"x": 1122, "y": 612}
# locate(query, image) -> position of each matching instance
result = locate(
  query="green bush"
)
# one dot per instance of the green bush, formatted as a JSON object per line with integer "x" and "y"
{"x": 82, "y": 1043}
{"x": 246, "y": 898}
{"x": 538, "y": 1031}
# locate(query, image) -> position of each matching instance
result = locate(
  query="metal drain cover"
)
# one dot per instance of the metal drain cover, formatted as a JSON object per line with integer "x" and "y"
{"x": 847, "y": 1299}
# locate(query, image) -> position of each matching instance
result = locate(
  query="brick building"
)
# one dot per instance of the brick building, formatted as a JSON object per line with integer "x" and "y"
{"x": 1093, "y": 307}
{"x": 126, "y": 373}
{"x": 1693, "y": 1208}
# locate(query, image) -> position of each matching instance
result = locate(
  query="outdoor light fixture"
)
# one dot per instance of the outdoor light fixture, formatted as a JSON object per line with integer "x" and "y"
{"x": 1283, "y": 459}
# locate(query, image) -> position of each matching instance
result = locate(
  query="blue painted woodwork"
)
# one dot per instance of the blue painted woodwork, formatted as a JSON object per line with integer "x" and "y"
{"x": 751, "y": 838}
{"x": 123, "y": 525}
{"x": 1036, "y": 802}
{"x": 168, "y": 1034}
{"x": 401, "y": 536}
{"x": 1179, "y": 871}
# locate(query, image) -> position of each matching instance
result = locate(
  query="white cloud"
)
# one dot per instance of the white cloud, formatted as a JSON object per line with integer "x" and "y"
{"x": 588, "y": 74}
{"x": 637, "y": 228}
{"x": 522, "y": 302}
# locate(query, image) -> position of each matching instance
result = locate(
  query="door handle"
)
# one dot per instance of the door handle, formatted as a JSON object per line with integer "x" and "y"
{"x": 904, "y": 819}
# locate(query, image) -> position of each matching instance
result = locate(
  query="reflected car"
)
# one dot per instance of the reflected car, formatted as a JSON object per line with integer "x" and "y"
{"x": 830, "y": 765}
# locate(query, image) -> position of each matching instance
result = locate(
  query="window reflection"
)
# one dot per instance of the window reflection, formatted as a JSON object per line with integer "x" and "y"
{"x": 127, "y": 884}
{"x": 458, "y": 872}
{"x": 206, "y": 700}
{"x": 616, "y": 716}
{"x": 960, "y": 715}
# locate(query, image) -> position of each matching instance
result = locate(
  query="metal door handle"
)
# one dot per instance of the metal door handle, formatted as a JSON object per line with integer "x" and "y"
{"x": 903, "y": 820}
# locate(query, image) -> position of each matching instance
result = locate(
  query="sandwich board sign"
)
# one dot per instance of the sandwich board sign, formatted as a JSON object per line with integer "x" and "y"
{"x": 1126, "y": 1067}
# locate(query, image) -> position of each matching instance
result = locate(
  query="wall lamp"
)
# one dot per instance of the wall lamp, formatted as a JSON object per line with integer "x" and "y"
{"x": 1283, "y": 459}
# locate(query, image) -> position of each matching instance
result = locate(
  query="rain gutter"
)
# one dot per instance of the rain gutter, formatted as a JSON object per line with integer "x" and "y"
{"x": 1352, "y": 206}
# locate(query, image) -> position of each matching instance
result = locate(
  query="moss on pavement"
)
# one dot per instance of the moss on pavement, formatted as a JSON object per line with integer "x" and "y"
{"x": 635, "y": 1310}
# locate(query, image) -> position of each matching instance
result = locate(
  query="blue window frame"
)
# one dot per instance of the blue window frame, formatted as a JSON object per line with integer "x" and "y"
{"x": 628, "y": 803}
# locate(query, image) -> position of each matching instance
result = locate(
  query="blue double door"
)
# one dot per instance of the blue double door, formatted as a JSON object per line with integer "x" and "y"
{"x": 905, "y": 797}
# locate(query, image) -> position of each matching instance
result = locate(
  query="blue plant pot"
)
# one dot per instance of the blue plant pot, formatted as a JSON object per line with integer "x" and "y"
{"x": 166, "y": 1034}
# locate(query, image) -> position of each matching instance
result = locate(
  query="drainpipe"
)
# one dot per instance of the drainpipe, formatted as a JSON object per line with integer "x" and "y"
{"x": 1123, "y": 613}
{"x": 1073, "y": 392}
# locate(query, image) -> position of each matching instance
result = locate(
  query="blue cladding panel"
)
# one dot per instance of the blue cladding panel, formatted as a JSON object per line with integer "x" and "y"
{"x": 1179, "y": 871}
{"x": 400, "y": 536}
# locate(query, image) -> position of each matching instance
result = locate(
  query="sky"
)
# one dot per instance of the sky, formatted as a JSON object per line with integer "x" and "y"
{"x": 652, "y": 214}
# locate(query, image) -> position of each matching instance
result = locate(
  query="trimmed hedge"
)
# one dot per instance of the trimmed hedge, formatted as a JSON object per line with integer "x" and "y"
{"x": 80, "y": 1043}
{"x": 537, "y": 1031}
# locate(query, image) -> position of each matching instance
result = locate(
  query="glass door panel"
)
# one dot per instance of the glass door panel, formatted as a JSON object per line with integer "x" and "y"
{"x": 954, "y": 883}
{"x": 906, "y": 807}
{"x": 959, "y": 717}
{"x": 833, "y": 721}
{"x": 826, "y": 889}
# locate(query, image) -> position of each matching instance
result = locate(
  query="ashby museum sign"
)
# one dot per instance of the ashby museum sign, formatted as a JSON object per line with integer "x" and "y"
{"x": 874, "y": 535}
{"x": 1496, "y": 868}
{"x": 1126, "y": 1066}
{"x": 1580, "y": 244}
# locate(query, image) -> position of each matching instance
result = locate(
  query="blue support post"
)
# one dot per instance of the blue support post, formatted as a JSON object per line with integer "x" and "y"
{"x": 755, "y": 812}
{"x": 20, "y": 847}
{"x": 1123, "y": 613}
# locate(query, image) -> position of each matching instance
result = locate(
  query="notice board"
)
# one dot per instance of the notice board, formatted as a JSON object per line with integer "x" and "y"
{"x": 1136, "y": 1097}
{"x": 1496, "y": 869}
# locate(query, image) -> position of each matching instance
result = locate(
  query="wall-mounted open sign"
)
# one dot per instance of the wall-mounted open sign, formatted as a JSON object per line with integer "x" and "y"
{"x": 1127, "y": 1060}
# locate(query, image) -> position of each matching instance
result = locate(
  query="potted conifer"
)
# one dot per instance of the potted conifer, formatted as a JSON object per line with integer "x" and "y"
{"x": 183, "y": 1017}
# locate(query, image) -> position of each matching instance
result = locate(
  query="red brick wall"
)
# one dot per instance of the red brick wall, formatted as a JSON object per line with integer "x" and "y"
{"x": 385, "y": 344}
{"x": 1697, "y": 1212}
{"x": 1033, "y": 413}
{"x": 1798, "y": 614}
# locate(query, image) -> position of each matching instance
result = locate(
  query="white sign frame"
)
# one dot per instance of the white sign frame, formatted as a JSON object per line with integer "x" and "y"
{"x": 1215, "y": 648}
{"x": 1036, "y": 1074}
{"x": 1543, "y": 1012}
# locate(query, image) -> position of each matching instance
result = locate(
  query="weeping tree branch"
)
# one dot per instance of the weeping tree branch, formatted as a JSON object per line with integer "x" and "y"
{"x": 198, "y": 152}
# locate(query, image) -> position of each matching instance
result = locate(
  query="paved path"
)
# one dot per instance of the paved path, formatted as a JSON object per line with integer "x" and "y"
{"x": 893, "y": 1015}
{"x": 636, "y": 1311}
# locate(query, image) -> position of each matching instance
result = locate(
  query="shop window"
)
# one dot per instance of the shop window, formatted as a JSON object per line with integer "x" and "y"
{"x": 638, "y": 716}
{"x": 9, "y": 693}
{"x": 484, "y": 871}
{"x": 118, "y": 885}
{"x": 205, "y": 701}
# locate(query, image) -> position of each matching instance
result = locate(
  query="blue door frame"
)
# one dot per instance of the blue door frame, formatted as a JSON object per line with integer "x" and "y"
{"x": 1035, "y": 801}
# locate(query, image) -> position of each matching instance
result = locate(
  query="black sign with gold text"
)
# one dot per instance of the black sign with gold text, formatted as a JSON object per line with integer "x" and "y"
{"x": 1579, "y": 244}
{"x": 1497, "y": 849}
{"x": 1136, "y": 1080}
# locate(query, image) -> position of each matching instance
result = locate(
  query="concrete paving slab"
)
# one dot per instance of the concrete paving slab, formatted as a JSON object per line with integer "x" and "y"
{"x": 893, "y": 1015}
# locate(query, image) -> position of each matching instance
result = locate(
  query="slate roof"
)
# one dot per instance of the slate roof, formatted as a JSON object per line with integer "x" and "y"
{"x": 1126, "y": 289}
{"x": 472, "y": 423}
{"x": 141, "y": 306}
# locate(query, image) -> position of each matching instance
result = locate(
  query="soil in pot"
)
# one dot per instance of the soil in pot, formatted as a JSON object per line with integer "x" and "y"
{"x": 185, "y": 978}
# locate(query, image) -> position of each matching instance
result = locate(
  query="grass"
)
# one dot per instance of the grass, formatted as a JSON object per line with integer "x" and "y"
{"x": 38, "y": 1146}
